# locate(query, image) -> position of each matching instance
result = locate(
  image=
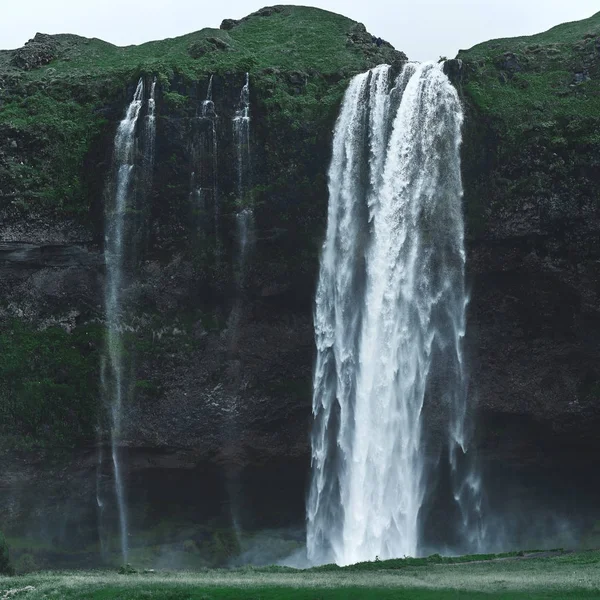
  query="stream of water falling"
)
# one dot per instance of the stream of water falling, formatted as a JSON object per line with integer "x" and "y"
{"x": 245, "y": 213}
{"x": 389, "y": 315}
{"x": 115, "y": 249}
{"x": 208, "y": 112}
{"x": 150, "y": 133}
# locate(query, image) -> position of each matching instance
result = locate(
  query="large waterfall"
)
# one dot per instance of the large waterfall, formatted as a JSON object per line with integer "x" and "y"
{"x": 119, "y": 202}
{"x": 389, "y": 379}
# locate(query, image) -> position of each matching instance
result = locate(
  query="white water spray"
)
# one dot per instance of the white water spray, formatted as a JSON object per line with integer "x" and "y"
{"x": 115, "y": 246}
{"x": 390, "y": 310}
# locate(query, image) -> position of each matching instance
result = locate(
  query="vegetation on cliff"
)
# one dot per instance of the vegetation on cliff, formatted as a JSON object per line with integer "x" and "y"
{"x": 538, "y": 99}
{"x": 60, "y": 99}
{"x": 57, "y": 92}
{"x": 536, "y": 84}
{"x": 48, "y": 384}
{"x": 531, "y": 159}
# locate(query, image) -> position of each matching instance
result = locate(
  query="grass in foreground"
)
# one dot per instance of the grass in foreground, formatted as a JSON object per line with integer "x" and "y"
{"x": 573, "y": 576}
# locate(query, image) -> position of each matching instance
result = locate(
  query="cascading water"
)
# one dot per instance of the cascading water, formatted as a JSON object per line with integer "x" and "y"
{"x": 245, "y": 237}
{"x": 245, "y": 214}
{"x": 208, "y": 112}
{"x": 115, "y": 248}
{"x": 390, "y": 311}
{"x": 150, "y": 133}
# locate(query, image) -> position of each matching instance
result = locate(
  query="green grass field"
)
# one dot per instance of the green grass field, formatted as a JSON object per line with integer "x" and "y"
{"x": 571, "y": 576}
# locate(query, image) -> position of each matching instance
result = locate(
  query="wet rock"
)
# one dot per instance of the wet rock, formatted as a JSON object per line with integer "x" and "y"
{"x": 454, "y": 70}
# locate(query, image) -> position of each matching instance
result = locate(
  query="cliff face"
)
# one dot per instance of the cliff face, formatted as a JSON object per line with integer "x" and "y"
{"x": 533, "y": 202}
{"x": 220, "y": 373}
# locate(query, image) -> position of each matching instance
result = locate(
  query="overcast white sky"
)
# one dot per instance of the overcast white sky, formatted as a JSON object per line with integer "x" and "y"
{"x": 424, "y": 29}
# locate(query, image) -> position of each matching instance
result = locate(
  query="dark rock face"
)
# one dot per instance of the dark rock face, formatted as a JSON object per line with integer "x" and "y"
{"x": 533, "y": 217}
{"x": 454, "y": 70}
{"x": 37, "y": 52}
{"x": 509, "y": 62}
{"x": 228, "y": 24}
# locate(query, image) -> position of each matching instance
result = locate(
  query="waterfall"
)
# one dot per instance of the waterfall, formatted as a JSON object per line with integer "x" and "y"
{"x": 115, "y": 250}
{"x": 389, "y": 320}
{"x": 208, "y": 112}
{"x": 150, "y": 133}
{"x": 245, "y": 213}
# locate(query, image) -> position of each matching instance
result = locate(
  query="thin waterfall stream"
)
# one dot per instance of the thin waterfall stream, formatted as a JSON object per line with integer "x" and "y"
{"x": 245, "y": 213}
{"x": 118, "y": 249}
{"x": 208, "y": 112}
{"x": 245, "y": 240}
{"x": 389, "y": 320}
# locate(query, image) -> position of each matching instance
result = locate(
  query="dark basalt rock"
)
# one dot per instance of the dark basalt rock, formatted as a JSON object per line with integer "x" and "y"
{"x": 454, "y": 70}
{"x": 267, "y": 11}
{"x": 37, "y": 52}
{"x": 228, "y": 24}
{"x": 509, "y": 62}
{"x": 297, "y": 78}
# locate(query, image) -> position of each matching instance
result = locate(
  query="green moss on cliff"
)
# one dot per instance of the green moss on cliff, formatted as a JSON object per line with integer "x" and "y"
{"x": 532, "y": 85}
{"x": 532, "y": 135}
{"x": 63, "y": 130}
{"x": 286, "y": 37}
{"x": 48, "y": 383}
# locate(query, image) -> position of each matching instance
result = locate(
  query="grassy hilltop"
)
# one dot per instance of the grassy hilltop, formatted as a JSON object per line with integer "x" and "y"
{"x": 536, "y": 83}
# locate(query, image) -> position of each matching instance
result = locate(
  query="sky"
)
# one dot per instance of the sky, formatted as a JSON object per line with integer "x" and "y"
{"x": 423, "y": 29}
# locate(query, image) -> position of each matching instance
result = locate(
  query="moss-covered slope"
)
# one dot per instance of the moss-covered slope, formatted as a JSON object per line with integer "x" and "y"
{"x": 534, "y": 84}
{"x": 57, "y": 92}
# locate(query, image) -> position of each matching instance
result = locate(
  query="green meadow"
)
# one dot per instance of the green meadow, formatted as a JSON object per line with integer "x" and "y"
{"x": 560, "y": 575}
